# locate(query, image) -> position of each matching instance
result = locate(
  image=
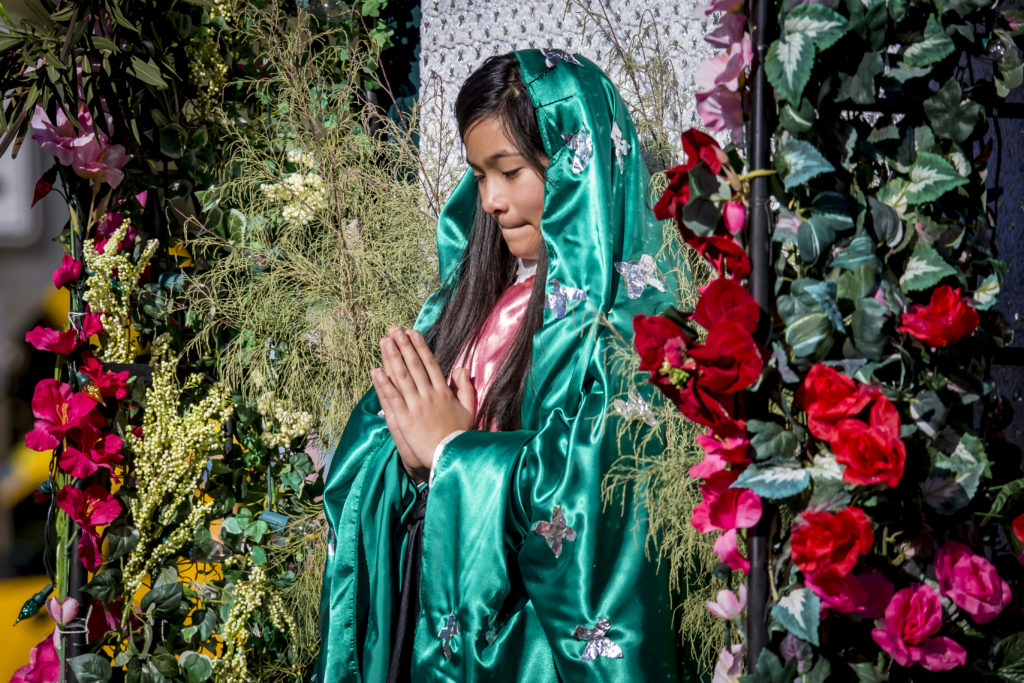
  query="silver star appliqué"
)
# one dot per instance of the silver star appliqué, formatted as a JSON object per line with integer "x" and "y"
{"x": 635, "y": 408}
{"x": 621, "y": 146}
{"x": 553, "y": 56}
{"x": 583, "y": 147}
{"x": 559, "y": 296}
{"x": 555, "y": 531}
{"x": 639, "y": 274}
{"x": 597, "y": 644}
{"x": 450, "y": 629}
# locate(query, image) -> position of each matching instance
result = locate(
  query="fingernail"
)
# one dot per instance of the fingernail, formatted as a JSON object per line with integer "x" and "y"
{"x": 391, "y": 345}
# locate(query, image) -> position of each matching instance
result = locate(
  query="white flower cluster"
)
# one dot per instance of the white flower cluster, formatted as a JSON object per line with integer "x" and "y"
{"x": 303, "y": 195}
{"x": 170, "y": 460}
{"x": 249, "y": 596}
{"x": 297, "y": 156}
{"x": 223, "y": 9}
{"x": 281, "y": 425}
{"x": 109, "y": 301}
{"x": 207, "y": 69}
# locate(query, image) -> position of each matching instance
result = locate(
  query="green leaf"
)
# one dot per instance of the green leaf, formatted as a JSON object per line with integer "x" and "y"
{"x": 867, "y": 673}
{"x": 164, "y": 600}
{"x": 773, "y": 481}
{"x": 788, "y": 65}
{"x": 809, "y": 334}
{"x": 951, "y": 117}
{"x": 831, "y": 207}
{"x": 985, "y": 295}
{"x": 886, "y": 223}
{"x": 701, "y": 216}
{"x": 813, "y": 239}
{"x": 172, "y": 140}
{"x": 819, "y": 673}
{"x": 934, "y": 45}
{"x": 867, "y": 323}
{"x": 928, "y": 412}
{"x": 259, "y": 557}
{"x": 801, "y": 162}
{"x": 859, "y": 253}
{"x": 90, "y": 668}
{"x": 931, "y": 176}
{"x": 105, "y": 586}
{"x": 822, "y": 25}
{"x": 121, "y": 538}
{"x": 147, "y": 72}
{"x": 797, "y": 119}
{"x": 196, "y": 666}
{"x": 797, "y": 612}
{"x": 860, "y": 86}
{"x": 968, "y": 462}
{"x": 770, "y": 440}
{"x": 925, "y": 269}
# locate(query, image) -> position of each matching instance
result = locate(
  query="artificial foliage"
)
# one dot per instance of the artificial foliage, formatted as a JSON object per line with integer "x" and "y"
{"x": 853, "y": 412}
{"x": 184, "y": 542}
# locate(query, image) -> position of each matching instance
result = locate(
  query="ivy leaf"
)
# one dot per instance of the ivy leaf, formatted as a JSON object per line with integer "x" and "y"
{"x": 867, "y": 323}
{"x": 925, "y": 269}
{"x": 797, "y": 119}
{"x": 814, "y": 238}
{"x": 121, "y": 538}
{"x": 774, "y": 479}
{"x": 860, "y": 86}
{"x": 968, "y": 462}
{"x": 104, "y": 586}
{"x": 771, "y": 441}
{"x": 949, "y": 115}
{"x": 934, "y": 46}
{"x": 867, "y": 673}
{"x": 831, "y": 207}
{"x": 859, "y": 253}
{"x": 985, "y": 295}
{"x": 802, "y": 162}
{"x": 788, "y": 65}
{"x": 91, "y": 668}
{"x": 196, "y": 666}
{"x": 928, "y": 412}
{"x": 885, "y": 223}
{"x": 822, "y": 25}
{"x": 797, "y": 612}
{"x": 931, "y": 176}
{"x": 164, "y": 600}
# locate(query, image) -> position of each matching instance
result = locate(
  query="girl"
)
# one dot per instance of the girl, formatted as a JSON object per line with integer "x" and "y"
{"x": 509, "y": 569}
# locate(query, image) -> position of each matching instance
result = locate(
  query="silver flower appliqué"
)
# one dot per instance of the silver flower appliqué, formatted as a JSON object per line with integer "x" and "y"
{"x": 635, "y": 407}
{"x": 598, "y": 644}
{"x": 553, "y": 56}
{"x": 638, "y": 275}
{"x": 555, "y": 531}
{"x": 559, "y": 297}
{"x": 583, "y": 147}
{"x": 620, "y": 145}
{"x": 447, "y": 632}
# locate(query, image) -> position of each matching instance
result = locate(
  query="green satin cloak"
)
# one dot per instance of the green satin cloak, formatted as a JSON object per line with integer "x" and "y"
{"x": 515, "y": 603}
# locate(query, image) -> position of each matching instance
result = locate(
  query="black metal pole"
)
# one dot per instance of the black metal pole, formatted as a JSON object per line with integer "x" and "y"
{"x": 759, "y": 241}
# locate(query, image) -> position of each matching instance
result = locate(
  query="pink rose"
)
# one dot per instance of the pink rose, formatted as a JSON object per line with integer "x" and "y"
{"x": 43, "y": 665}
{"x": 912, "y": 619}
{"x": 971, "y": 582}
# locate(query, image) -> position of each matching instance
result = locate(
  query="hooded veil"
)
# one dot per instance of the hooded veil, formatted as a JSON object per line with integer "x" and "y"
{"x": 524, "y": 576}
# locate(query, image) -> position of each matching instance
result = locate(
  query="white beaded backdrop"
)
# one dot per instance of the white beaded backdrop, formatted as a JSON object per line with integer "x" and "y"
{"x": 649, "y": 48}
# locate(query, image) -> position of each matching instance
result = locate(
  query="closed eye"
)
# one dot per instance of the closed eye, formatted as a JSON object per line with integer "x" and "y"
{"x": 511, "y": 174}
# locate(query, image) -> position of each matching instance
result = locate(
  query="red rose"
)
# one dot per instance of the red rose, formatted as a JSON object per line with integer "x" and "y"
{"x": 829, "y": 397}
{"x": 725, "y": 299}
{"x": 946, "y": 319}
{"x": 676, "y": 195}
{"x": 728, "y": 361}
{"x": 831, "y": 541}
{"x": 700, "y": 146}
{"x": 722, "y": 251}
{"x": 865, "y": 595}
{"x": 873, "y": 453}
{"x": 655, "y": 339}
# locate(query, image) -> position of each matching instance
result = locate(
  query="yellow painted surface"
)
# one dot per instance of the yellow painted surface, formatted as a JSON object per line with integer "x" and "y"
{"x": 18, "y": 640}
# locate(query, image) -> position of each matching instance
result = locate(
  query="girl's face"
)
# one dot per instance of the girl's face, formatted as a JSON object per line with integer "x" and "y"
{"x": 510, "y": 190}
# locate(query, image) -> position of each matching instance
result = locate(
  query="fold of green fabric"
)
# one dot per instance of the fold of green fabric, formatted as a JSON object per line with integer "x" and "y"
{"x": 525, "y": 576}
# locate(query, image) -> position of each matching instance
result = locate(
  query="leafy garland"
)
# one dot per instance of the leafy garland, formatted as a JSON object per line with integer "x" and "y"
{"x": 898, "y": 515}
{"x": 183, "y": 511}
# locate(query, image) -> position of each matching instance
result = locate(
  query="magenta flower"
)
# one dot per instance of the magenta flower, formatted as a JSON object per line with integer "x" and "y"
{"x": 61, "y": 140}
{"x": 735, "y": 216}
{"x": 43, "y": 665}
{"x": 709, "y": 8}
{"x": 46, "y": 339}
{"x": 865, "y": 595}
{"x": 912, "y": 619}
{"x": 727, "y": 605}
{"x": 68, "y": 271}
{"x": 728, "y": 551}
{"x": 110, "y": 222}
{"x": 89, "y": 509}
{"x": 89, "y": 450}
{"x": 971, "y": 582}
{"x": 725, "y": 508}
{"x": 58, "y": 410}
{"x": 108, "y": 383}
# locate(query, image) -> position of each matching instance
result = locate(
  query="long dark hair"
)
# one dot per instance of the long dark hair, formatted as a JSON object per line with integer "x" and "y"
{"x": 487, "y": 268}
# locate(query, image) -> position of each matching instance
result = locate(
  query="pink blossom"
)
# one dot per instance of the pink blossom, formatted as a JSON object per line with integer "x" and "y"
{"x": 141, "y": 198}
{"x": 730, "y": 28}
{"x": 723, "y": 507}
{"x": 108, "y": 383}
{"x": 722, "y": 110}
{"x": 46, "y": 339}
{"x": 62, "y": 140}
{"x": 729, "y": 666}
{"x": 727, "y": 605}
{"x": 728, "y": 551}
{"x": 971, "y": 582}
{"x": 63, "y": 611}
{"x": 68, "y": 271}
{"x": 106, "y": 226}
{"x": 1018, "y": 530}
{"x": 89, "y": 451}
{"x": 735, "y": 216}
{"x": 725, "y": 70}
{"x": 713, "y": 6}
{"x": 711, "y": 463}
{"x": 89, "y": 509}
{"x": 99, "y": 160}
{"x": 43, "y": 665}
{"x": 912, "y": 618}
{"x": 58, "y": 410}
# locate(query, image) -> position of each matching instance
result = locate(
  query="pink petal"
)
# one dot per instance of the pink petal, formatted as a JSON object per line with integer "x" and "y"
{"x": 728, "y": 551}
{"x": 735, "y": 216}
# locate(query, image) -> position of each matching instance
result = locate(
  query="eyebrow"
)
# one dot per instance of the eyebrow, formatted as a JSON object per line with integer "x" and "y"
{"x": 494, "y": 157}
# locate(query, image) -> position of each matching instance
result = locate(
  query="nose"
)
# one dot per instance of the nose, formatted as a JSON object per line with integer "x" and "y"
{"x": 492, "y": 199}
